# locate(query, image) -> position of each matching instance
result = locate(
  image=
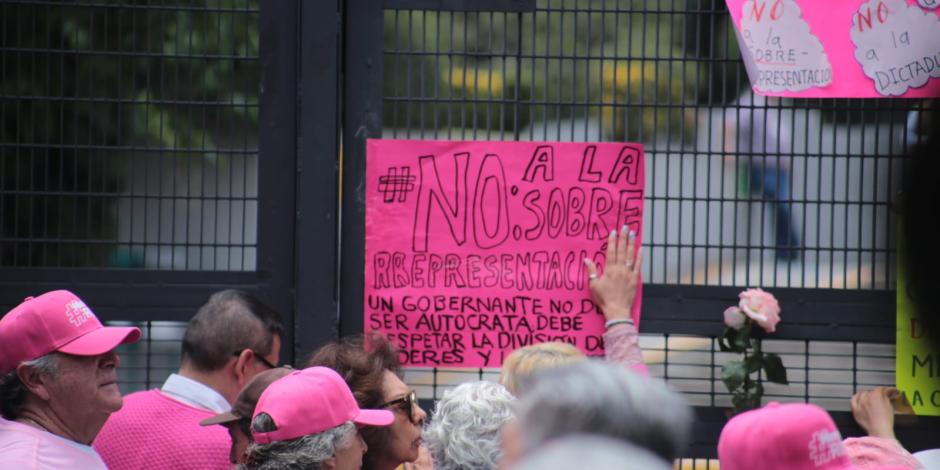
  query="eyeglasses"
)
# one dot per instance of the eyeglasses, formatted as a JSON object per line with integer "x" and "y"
{"x": 259, "y": 357}
{"x": 406, "y": 403}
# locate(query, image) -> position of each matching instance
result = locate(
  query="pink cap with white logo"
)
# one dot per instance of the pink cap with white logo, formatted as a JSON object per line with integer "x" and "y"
{"x": 311, "y": 401}
{"x": 56, "y": 321}
{"x": 795, "y": 436}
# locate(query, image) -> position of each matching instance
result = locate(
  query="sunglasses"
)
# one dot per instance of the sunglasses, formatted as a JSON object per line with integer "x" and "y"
{"x": 406, "y": 403}
{"x": 258, "y": 357}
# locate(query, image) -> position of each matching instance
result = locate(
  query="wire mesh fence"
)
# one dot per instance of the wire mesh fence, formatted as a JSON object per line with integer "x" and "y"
{"x": 740, "y": 190}
{"x": 128, "y": 134}
{"x": 826, "y": 373}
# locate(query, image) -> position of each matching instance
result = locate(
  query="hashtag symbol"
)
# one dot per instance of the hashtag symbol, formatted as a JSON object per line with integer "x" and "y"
{"x": 396, "y": 184}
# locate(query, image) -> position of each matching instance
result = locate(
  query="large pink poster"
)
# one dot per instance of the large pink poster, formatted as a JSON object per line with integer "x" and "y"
{"x": 840, "y": 48}
{"x": 474, "y": 249}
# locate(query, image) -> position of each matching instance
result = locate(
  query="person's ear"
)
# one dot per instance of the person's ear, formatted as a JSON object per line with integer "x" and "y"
{"x": 35, "y": 381}
{"x": 328, "y": 464}
{"x": 242, "y": 367}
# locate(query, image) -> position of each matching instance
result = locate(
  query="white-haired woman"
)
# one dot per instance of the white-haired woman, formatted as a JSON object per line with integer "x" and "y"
{"x": 599, "y": 398}
{"x": 466, "y": 431}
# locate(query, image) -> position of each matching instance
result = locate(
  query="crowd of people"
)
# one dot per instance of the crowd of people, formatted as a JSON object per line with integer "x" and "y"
{"x": 230, "y": 404}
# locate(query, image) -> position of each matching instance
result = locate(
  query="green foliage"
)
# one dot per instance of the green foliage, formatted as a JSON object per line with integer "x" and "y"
{"x": 609, "y": 66}
{"x": 82, "y": 86}
{"x": 742, "y": 378}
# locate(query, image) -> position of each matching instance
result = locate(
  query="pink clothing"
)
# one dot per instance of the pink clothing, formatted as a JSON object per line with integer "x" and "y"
{"x": 622, "y": 346}
{"x": 878, "y": 452}
{"x": 27, "y": 448}
{"x": 156, "y": 432}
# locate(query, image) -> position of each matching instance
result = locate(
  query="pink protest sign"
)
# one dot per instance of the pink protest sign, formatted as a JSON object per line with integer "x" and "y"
{"x": 840, "y": 48}
{"x": 475, "y": 249}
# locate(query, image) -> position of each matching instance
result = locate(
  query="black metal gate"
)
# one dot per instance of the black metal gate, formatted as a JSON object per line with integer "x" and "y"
{"x": 667, "y": 74}
{"x": 143, "y": 166}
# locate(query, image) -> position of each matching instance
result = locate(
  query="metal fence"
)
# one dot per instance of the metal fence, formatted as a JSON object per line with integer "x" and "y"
{"x": 142, "y": 165}
{"x": 129, "y": 135}
{"x": 129, "y": 162}
{"x": 667, "y": 74}
{"x": 808, "y": 213}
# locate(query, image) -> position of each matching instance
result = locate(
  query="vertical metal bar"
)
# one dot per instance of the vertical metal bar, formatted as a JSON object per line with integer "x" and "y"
{"x": 491, "y": 97}
{"x": 820, "y": 198}
{"x": 362, "y": 119}
{"x": 147, "y": 97}
{"x": 572, "y": 104}
{"x": 4, "y": 152}
{"x": 421, "y": 73}
{"x": 710, "y": 145}
{"x": 438, "y": 16}
{"x": 190, "y": 165}
{"x": 861, "y": 197}
{"x": 164, "y": 155}
{"x": 806, "y": 370}
{"x": 763, "y": 176}
{"x": 465, "y": 56}
{"x": 313, "y": 146}
{"x": 803, "y": 232}
{"x": 561, "y": 73}
{"x": 408, "y": 60}
{"x": 450, "y": 74}
{"x": 47, "y": 199}
{"x": 220, "y": 238}
{"x": 876, "y": 201}
{"x": 854, "y": 366}
{"x": 76, "y": 161}
{"x": 832, "y": 198}
{"x": 846, "y": 203}
{"x": 475, "y": 102}
{"x": 711, "y": 372}
{"x": 32, "y": 121}
{"x": 148, "y": 353}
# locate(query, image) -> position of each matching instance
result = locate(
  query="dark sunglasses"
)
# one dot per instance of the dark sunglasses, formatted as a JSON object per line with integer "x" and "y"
{"x": 259, "y": 357}
{"x": 406, "y": 403}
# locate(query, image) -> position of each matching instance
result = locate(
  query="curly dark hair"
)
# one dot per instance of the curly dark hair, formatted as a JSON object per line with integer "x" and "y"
{"x": 362, "y": 362}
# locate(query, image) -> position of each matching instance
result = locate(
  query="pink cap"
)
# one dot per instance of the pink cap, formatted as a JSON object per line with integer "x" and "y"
{"x": 56, "y": 321}
{"x": 794, "y": 436}
{"x": 310, "y": 401}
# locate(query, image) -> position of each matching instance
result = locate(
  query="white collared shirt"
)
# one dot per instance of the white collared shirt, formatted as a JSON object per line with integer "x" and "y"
{"x": 193, "y": 393}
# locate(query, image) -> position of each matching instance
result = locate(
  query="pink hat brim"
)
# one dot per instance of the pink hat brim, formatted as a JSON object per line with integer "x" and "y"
{"x": 374, "y": 417}
{"x": 100, "y": 341}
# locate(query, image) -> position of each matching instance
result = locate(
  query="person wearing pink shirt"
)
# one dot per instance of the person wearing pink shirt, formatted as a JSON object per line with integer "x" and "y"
{"x": 58, "y": 382}
{"x": 230, "y": 340}
{"x": 792, "y": 436}
{"x": 614, "y": 292}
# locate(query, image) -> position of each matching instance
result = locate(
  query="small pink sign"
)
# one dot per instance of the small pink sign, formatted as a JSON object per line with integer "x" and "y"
{"x": 840, "y": 48}
{"x": 475, "y": 249}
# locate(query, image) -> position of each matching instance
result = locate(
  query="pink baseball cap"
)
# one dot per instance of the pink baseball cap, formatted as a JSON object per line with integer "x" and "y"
{"x": 793, "y": 436}
{"x": 56, "y": 321}
{"x": 310, "y": 401}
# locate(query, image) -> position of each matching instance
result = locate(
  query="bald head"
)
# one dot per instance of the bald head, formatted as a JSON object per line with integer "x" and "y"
{"x": 231, "y": 321}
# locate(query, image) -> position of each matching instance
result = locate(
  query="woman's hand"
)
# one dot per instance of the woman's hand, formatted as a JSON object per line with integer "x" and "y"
{"x": 874, "y": 412}
{"x": 615, "y": 290}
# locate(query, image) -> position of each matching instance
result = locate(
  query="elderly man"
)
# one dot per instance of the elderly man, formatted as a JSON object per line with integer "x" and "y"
{"x": 232, "y": 338}
{"x": 58, "y": 382}
{"x": 309, "y": 420}
{"x": 238, "y": 420}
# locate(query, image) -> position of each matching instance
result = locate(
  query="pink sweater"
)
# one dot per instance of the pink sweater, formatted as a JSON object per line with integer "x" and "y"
{"x": 622, "y": 346}
{"x": 156, "y": 432}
